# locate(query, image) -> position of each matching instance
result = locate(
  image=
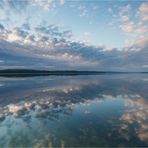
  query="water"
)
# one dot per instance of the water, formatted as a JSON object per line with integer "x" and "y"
{"x": 103, "y": 110}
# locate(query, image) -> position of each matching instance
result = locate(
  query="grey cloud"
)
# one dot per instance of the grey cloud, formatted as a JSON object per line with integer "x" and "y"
{"x": 54, "y": 31}
{"x": 109, "y": 60}
{"x": 44, "y": 38}
{"x": 14, "y": 5}
{"x": 17, "y": 4}
{"x": 2, "y": 4}
{"x": 21, "y": 32}
{"x": 1, "y": 27}
{"x": 32, "y": 38}
{"x": 26, "y": 26}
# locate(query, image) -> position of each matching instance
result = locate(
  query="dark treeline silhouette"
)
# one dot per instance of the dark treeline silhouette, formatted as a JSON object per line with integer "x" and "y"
{"x": 31, "y": 72}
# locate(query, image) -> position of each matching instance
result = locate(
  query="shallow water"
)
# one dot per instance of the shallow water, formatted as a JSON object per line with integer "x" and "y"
{"x": 103, "y": 110}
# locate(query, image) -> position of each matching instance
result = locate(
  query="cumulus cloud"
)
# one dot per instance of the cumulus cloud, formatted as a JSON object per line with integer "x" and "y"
{"x": 134, "y": 24}
{"x": 137, "y": 27}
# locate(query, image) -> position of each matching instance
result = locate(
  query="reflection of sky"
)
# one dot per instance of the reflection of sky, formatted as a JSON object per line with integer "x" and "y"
{"x": 113, "y": 109}
{"x": 136, "y": 114}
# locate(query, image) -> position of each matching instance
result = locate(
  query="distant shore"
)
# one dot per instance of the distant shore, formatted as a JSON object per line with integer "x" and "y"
{"x": 30, "y": 72}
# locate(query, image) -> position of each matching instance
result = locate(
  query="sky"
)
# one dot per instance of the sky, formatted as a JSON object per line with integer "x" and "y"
{"x": 101, "y": 35}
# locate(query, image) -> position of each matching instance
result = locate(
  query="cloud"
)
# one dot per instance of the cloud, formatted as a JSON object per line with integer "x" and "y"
{"x": 125, "y": 9}
{"x": 53, "y": 30}
{"x": 21, "y": 33}
{"x": 137, "y": 25}
{"x": 110, "y": 10}
{"x": 46, "y": 4}
{"x": 82, "y": 11}
{"x": 15, "y": 5}
{"x": 124, "y": 12}
{"x": 87, "y": 33}
{"x": 124, "y": 17}
{"x": 132, "y": 22}
{"x": 62, "y": 2}
{"x": 1, "y": 27}
{"x": 26, "y": 26}
{"x": 143, "y": 14}
{"x": 139, "y": 44}
{"x": 145, "y": 18}
{"x": 143, "y": 9}
{"x": 54, "y": 45}
{"x": 129, "y": 27}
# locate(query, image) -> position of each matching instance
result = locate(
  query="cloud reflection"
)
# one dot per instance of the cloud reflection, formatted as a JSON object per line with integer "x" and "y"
{"x": 117, "y": 105}
{"x": 136, "y": 114}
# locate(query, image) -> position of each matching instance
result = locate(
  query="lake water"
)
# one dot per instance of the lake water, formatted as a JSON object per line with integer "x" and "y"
{"x": 96, "y": 110}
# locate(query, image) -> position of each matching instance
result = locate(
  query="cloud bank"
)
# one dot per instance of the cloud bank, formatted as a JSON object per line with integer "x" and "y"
{"x": 49, "y": 46}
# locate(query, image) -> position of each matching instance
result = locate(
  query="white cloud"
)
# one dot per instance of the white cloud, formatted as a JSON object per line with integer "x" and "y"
{"x": 143, "y": 13}
{"x": 110, "y": 10}
{"x": 124, "y": 17}
{"x": 45, "y": 4}
{"x": 142, "y": 43}
{"x": 142, "y": 30}
{"x": 143, "y": 9}
{"x": 87, "y": 33}
{"x": 125, "y": 9}
{"x": 128, "y": 27}
{"x": 62, "y": 2}
{"x": 136, "y": 25}
{"x": 145, "y": 18}
{"x": 82, "y": 11}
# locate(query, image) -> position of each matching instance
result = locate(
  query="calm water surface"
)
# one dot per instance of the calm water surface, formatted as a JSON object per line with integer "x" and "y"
{"x": 103, "y": 110}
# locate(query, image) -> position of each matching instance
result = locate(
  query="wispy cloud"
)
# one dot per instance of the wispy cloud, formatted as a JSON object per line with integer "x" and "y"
{"x": 14, "y": 5}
